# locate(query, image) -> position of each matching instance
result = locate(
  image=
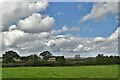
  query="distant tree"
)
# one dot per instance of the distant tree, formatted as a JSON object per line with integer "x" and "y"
{"x": 32, "y": 57}
{"x": 100, "y": 59}
{"x": 77, "y": 56}
{"x": 32, "y": 60}
{"x": 60, "y": 59}
{"x": 46, "y": 55}
{"x": 100, "y": 56}
{"x": 24, "y": 58}
{"x": 10, "y": 56}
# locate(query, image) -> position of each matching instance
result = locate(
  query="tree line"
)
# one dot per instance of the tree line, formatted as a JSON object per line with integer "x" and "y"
{"x": 12, "y": 59}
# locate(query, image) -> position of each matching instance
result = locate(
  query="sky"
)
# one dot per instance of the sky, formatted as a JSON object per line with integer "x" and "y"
{"x": 63, "y": 28}
{"x": 70, "y": 13}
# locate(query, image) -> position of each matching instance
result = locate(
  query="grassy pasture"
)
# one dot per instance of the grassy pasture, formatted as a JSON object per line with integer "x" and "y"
{"x": 110, "y": 71}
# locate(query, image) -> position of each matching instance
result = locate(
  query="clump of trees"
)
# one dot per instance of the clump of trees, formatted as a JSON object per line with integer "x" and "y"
{"x": 12, "y": 59}
{"x": 101, "y": 59}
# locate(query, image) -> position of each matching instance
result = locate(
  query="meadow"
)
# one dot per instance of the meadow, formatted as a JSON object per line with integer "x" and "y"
{"x": 110, "y": 71}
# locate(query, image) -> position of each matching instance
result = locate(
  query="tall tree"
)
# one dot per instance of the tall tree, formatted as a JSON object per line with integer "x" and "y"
{"x": 77, "y": 56}
{"x": 9, "y": 56}
{"x": 45, "y": 55}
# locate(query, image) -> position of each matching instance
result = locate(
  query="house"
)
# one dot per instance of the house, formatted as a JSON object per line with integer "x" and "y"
{"x": 16, "y": 59}
{"x": 1, "y": 59}
{"x": 56, "y": 58}
{"x": 52, "y": 59}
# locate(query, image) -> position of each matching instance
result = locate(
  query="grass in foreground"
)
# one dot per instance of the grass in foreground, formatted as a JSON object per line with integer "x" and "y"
{"x": 62, "y": 72}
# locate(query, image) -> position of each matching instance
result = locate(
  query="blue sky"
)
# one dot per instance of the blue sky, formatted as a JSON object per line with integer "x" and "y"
{"x": 70, "y": 13}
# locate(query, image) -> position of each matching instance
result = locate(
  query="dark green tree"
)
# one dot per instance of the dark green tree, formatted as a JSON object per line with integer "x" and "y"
{"x": 32, "y": 57}
{"x": 77, "y": 56}
{"x": 60, "y": 59}
{"x": 100, "y": 59}
{"x": 100, "y": 56}
{"x": 9, "y": 56}
{"x": 46, "y": 55}
{"x": 32, "y": 60}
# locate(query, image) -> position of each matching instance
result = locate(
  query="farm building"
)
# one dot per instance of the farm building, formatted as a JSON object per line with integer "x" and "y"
{"x": 56, "y": 58}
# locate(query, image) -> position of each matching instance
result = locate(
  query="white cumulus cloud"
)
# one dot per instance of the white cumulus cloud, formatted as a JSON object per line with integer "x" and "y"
{"x": 65, "y": 29}
{"x": 115, "y": 35}
{"x": 10, "y": 37}
{"x": 27, "y": 43}
{"x": 79, "y": 48}
{"x": 12, "y": 12}
{"x": 12, "y": 27}
{"x": 99, "y": 10}
{"x": 36, "y": 24}
{"x": 99, "y": 39}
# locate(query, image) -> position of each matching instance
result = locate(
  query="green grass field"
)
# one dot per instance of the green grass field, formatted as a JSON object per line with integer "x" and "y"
{"x": 62, "y": 72}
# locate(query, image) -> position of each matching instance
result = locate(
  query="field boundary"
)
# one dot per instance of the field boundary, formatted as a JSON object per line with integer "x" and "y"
{"x": 60, "y": 79}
